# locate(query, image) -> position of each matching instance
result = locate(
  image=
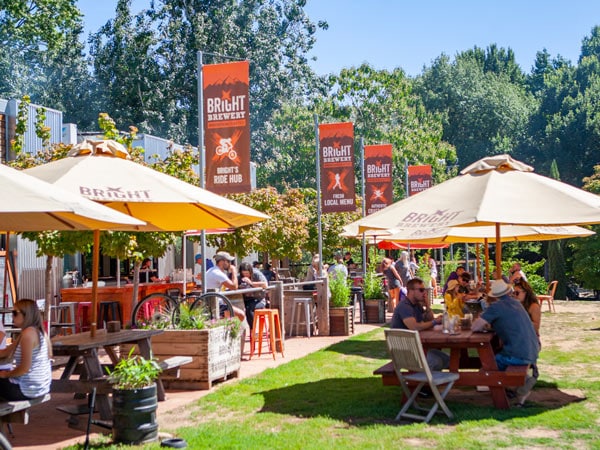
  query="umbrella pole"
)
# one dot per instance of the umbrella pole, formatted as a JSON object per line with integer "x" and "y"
{"x": 498, "y": 253}
{"x": 95, "y": 264}
{"x": 477, "y": 262}
{"x": 487, "y": 263}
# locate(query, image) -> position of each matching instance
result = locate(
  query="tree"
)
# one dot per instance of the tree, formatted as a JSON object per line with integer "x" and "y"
{"x": 556, "y": 257}
{"x": 150, "y": 60}
{"x": 283, "y": 235}
{"x": 586, "y": 265}
{"x": 482, "y": 100}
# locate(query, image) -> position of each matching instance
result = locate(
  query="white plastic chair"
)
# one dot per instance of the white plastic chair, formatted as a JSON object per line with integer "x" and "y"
{"x": 410, "y": 365}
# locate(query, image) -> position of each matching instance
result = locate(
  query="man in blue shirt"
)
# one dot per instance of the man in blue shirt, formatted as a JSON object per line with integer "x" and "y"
{"x": 512, "y": 324}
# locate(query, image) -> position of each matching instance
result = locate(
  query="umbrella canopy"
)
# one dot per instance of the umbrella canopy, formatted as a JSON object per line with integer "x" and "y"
{"x": 391, "y": 245}
{"x": 29, "y": 204}
{"x": 103, "y": 171}
{"x": 479, "y": 235}
{"x": 492, "y": 191}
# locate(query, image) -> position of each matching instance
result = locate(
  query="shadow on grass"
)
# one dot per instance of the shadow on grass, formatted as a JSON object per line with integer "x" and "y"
{"x": 364, "y": 402}
{"x": 375, "y": 349}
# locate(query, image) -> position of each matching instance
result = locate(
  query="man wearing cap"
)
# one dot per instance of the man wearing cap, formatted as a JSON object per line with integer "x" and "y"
{"x": 223, "y": 275}
{"x": 513, "y": 326}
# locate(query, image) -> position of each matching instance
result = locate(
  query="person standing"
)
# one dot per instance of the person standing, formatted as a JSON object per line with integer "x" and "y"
{"x": 512, "y": 324}
{"x": 394, "y": 282}
{"x": 198, "y": 268}
{"x": 403, "y": 268}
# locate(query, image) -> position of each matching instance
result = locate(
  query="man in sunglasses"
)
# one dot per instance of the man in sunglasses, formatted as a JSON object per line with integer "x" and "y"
{"x": 414, "y": 313}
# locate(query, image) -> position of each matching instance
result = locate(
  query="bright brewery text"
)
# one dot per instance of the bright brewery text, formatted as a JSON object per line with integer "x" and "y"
{"x": 337, "y": 155}
{"x": 113, "y": 193}
{"x": 439, "y": 218}
{"x": 418, "y": 186}
{"x": 226, "y": 108}
{"x": 378, "y": 170}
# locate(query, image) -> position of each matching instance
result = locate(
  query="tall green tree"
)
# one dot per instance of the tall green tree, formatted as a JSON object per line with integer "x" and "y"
{"x": 149, "y": 61}
{"x": 556, "y": 255}
{"x": 482, "y": 99}
{"x": 586, "y": 264}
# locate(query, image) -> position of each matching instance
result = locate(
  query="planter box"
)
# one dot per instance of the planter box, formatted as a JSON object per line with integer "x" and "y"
{"x": 341, "y": 321}
{"x": 215, "y": 356}
{"x": 375, "y": 310}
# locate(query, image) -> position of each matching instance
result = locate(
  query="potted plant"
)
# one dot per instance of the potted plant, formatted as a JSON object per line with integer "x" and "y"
{"x": 340, "y": 312}
{"x": 134, "y": 399}
{"x": 214, "y": 345}
{"x": 373, "y": 294}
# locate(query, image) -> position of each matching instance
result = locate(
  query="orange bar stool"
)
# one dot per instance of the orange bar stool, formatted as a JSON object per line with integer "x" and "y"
{"x": 266, "y": 320}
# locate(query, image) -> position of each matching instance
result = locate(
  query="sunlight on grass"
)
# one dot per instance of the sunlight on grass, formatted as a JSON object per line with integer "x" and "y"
{"x": 330, "y": 399}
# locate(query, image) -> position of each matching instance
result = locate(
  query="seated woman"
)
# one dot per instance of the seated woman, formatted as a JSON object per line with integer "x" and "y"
{"x": 252, "y": 278}
{"x": 32, "y": 372}
{"x": 453, "y": 299}
{"x": 523, "y": 292}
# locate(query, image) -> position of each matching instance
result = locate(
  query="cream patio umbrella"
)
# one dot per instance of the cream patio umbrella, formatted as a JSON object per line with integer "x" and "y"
{"x": 30, "y": 204}
{"x": 103, "y": 171}
{"x": 492, "y": 191}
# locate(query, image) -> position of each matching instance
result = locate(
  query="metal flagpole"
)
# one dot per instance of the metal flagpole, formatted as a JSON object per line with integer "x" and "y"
{"x": 318, "y": 165}
{"x": 364, "y": 204}
{"x": 201, "y": 161}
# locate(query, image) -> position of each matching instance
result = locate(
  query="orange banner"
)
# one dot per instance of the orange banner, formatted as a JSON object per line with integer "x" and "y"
{"x": 336, "y": 155}
{"x": 419, "y": 179}
{"x": 227, "y": 127}
{"x": 378, "y": 177}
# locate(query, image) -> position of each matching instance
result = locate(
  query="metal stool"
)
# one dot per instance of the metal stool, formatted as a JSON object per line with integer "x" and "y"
{"x": 83, "y": 316}
{"x": 307, "y": 303}
{"x": 109, "y": 306}
{"x": 263, "y": 317}
{"x": 62, "y": 316}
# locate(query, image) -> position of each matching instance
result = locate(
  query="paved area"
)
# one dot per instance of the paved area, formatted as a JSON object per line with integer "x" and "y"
{"x": 48, "y": 428}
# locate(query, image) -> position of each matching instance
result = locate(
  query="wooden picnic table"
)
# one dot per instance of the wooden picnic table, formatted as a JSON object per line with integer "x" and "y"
{"x": 473, "y": 371}
{"x": 82, "y": 345}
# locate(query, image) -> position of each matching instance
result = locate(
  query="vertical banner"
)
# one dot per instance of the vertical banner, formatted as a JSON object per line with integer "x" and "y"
{"x": 419, "y": 179}
{"x": 378, "y": 177}
{"x": 227, "y": 127}
{"x": 336, "y": 156}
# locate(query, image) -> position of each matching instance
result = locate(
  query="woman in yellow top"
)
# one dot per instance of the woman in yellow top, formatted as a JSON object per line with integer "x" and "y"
{"x": 454, "y": 299}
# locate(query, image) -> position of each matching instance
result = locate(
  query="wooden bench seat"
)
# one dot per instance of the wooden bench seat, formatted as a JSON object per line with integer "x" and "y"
{"x": 171, "y": 366}
{"x": 513, "y": 376}
{"x": 17, "y": 411}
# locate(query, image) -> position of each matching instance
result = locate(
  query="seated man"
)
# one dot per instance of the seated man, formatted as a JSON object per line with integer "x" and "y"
{"x": 464, "y": 287}
{"x": 414, "y": 313}
{"x": 513, "y": 326}
{"x": 516, "y": 274}
{"x": 223, "y": 276}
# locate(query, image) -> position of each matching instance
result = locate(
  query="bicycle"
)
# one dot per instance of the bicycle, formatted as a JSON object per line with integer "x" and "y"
{"x": 156, "y": 308}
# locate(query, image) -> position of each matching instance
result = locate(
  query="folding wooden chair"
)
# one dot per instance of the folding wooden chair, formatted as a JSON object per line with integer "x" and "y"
{"x": 550, "y": 297}
{"x": 410, "y": 365}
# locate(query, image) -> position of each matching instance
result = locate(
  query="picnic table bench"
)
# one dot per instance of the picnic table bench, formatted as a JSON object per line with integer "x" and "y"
{"x": 16, "y": 411}
{"x": 473, "y": 371}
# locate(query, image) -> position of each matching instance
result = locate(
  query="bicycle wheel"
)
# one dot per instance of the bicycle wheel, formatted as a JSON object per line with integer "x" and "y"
{"x": 154, "y": 308}
{"x": 4, "y": 442}
{"x": 215, "y": 305}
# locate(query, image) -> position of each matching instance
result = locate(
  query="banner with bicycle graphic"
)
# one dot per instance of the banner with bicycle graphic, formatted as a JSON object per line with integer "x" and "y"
{"x": 227, "y": 127}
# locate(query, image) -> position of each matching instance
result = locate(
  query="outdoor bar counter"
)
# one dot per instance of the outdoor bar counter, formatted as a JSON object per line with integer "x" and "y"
{"x": 123, "y": 294}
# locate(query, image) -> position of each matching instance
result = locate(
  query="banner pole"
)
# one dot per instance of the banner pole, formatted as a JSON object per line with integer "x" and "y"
{"x": 201, "y": 161}
{"x": 364, "y": 203}
{"x": 318, "y": 166}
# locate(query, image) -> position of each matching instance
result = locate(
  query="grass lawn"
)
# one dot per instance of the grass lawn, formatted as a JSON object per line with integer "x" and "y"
{"x": 330, "y": 399}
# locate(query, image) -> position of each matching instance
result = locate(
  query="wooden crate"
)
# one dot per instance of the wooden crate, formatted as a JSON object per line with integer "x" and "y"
{"x": 341, "y": 321}
{"x": 215, "y": 356}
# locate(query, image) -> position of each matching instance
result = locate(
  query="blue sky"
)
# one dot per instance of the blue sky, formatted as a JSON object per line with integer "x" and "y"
{"x": 411, "y": 34}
